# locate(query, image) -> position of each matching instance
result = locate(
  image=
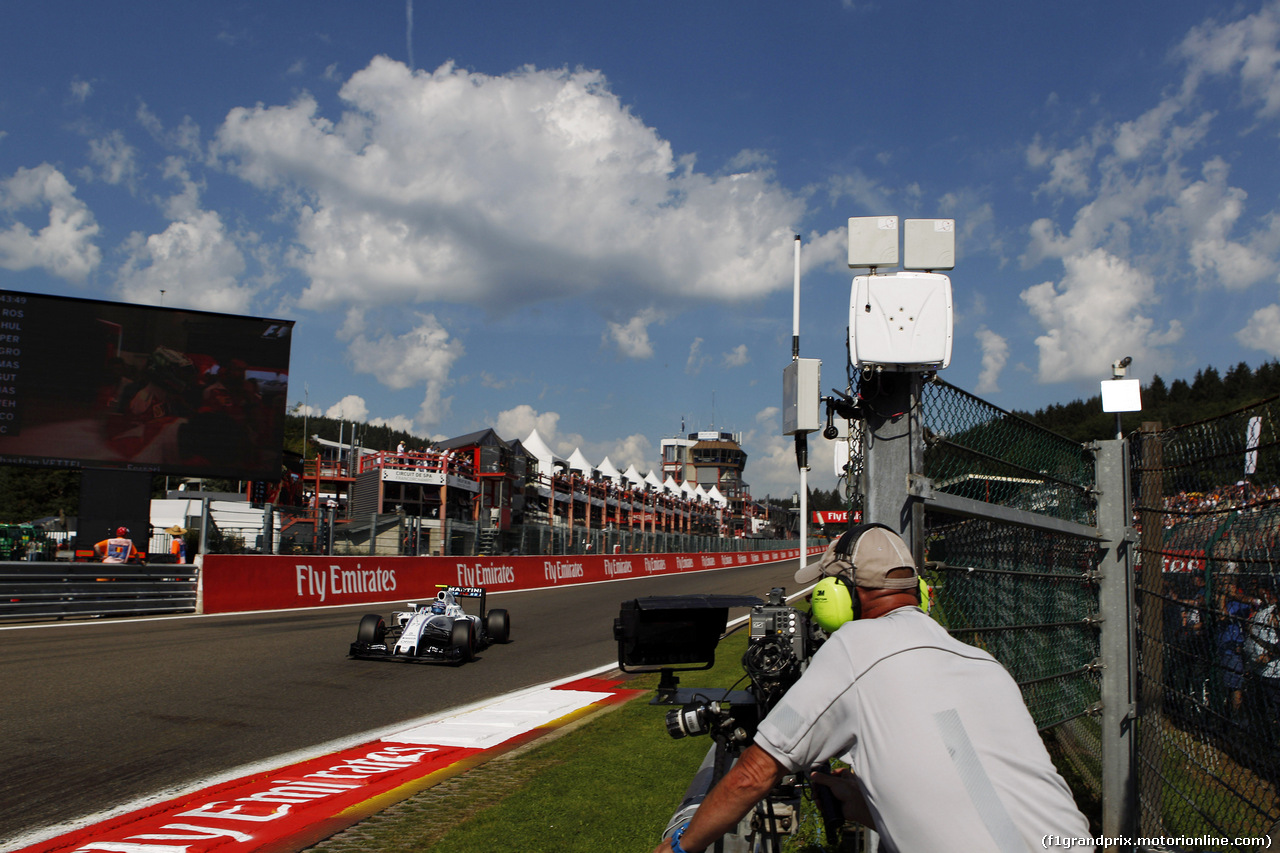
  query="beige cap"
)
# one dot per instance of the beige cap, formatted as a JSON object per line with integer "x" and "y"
{"x": 876, "y": 552}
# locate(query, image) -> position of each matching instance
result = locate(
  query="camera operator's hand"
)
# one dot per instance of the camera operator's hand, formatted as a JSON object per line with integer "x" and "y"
{"x": 844, "y": 784}
{"x": 754, "y": 775}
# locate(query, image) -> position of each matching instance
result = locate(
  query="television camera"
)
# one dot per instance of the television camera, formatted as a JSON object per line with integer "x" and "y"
{"x": 671, "y": 634}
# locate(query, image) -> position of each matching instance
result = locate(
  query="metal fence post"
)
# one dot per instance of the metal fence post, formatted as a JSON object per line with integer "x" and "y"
{"x": 1150, "y": 748}
{"x": 268, "y": 529}
{"x": 1117, "y": 642}
{"x": 894, "y": 449}
{"x": 331, "y": 514}
{"x": 204, "y": 525}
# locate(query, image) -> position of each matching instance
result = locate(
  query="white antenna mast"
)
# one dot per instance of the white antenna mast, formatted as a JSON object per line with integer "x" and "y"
{"x": 802, "y": 440}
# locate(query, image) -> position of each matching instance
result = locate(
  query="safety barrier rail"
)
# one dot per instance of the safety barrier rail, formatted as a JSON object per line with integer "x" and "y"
{"x": 32, "y": 591}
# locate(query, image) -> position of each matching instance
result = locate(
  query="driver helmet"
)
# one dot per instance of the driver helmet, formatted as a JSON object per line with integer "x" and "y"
{"x": 122, "y": 532}
{"x": 437, "y": 607}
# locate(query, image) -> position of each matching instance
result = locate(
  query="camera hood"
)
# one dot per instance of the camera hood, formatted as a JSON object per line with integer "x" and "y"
{"x": 667, "y": 631}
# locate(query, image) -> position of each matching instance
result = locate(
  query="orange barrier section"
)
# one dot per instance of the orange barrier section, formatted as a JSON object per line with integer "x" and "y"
{"x": 235, "y": 583}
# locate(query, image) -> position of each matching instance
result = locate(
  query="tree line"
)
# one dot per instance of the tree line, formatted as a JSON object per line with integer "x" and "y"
{"x": 1208, "y": 395}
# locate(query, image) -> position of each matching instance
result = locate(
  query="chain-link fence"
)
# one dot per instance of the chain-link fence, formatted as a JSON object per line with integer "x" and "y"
{"x": 1207, "y": 501}
{"x": 1029, "y": 598}
{"x": 976, "y": 450}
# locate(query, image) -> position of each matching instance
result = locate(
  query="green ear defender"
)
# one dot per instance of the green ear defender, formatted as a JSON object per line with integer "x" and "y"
{"x": 834, "y": 603}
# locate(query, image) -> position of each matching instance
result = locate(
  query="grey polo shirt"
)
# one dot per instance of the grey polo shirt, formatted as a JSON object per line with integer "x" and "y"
{"x": 943, "y": 746}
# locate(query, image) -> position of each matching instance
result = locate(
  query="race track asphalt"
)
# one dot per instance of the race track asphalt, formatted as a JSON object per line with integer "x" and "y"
{"x": 97, "y": 713}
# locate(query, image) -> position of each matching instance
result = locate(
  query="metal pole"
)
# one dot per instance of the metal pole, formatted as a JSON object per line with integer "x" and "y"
{"x": 802, "y": 440}
{"x": 332, "y": 513}
{"x": 268, "y": 529}
{"x": 893, "y": 444}
{"x": 795, "y": 306}
{"x": 1117, "y": 642}
{"x": 804, "y": 516}
{"x": 204, "y": 525}
{"x": 1151, "y": 680}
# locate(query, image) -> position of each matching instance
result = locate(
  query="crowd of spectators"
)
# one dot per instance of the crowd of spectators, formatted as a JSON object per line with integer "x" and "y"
{"x": 1243, "y": 495}
{"x": 431, "y": 458}
{"x": 1221, "y": 665}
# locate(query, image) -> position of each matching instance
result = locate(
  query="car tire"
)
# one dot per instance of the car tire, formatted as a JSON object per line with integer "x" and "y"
{"x": 463, "y": 637}
{"x": 372, "y": 629}
{"x": 497, "y": 623}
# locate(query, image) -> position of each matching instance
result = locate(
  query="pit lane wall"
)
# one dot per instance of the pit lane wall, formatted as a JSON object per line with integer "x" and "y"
{"x": 232, "y": 583}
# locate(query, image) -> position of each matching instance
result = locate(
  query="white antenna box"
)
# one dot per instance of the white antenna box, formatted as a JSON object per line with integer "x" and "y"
{"x": 929, "y": 244}
{"x": 901, "y": 321}
{"x": 800, "y": 395}
{"x": 873, "y": 241}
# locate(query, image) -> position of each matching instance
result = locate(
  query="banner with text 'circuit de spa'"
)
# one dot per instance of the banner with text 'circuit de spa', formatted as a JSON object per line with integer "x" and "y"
{"x": 234, "y": 583}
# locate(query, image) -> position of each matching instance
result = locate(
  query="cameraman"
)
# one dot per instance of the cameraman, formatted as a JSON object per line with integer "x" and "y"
{"x": 943, "y": 753}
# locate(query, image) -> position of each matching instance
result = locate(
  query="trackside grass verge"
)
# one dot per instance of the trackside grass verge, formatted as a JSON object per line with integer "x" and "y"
{"x": 610, "y": 782}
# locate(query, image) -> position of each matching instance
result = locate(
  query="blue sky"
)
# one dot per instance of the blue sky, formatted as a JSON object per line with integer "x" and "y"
{"x": 580, "y": 217}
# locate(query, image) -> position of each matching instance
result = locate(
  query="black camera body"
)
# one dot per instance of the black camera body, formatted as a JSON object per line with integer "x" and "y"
{"x": 670, "y": 634}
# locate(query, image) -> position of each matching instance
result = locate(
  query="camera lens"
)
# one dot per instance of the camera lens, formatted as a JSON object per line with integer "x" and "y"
{"x": 690, "y": 720}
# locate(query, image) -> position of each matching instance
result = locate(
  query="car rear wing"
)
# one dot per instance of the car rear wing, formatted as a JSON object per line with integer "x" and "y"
{"x": 466, "y": 592}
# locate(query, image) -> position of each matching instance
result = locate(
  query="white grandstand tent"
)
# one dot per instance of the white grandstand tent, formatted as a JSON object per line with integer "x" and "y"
{"x": 539, "y": 450}
{"x": 715, "y": 496}
{"x": 670, "y": 486}
{"x": 608, "y": 471}
{"x": 632, "y": 476}
{"x": 651, "y": 479}
{"x": 578, "y": 462}
{"x": 688, "y": 490}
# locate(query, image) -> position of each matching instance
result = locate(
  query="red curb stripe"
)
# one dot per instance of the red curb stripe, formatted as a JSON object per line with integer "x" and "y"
{"x": 293, "y": 807}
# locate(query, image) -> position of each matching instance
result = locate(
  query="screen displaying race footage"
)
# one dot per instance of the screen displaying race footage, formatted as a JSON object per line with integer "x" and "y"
{"x": 85, "y": 383}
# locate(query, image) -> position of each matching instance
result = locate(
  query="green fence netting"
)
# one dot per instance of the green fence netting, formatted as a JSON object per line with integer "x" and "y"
{"x": 1029, "y": 598}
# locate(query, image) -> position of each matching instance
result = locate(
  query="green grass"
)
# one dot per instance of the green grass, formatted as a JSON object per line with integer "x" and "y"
{"x": 609, "y": 783}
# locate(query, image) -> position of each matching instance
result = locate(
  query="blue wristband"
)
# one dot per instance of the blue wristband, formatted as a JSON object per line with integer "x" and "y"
{"x": 676, "y": 836}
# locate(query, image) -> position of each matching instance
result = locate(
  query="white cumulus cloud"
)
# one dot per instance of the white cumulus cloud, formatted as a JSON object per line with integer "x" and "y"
{"x": 632, "y": 337}
{"x": 350, "y": 408}
{"x": 520, "y": 421}
{"x": 1097, "y": 310}
{"x": 1246, "y": 49}
{"x": 995, "y": 353}
{"x": 737, "y": 357}
{"x": 424, "y": 355}
{"x": 1263, "y": 331}
{"x": 501, "y": 190}
{"x": 1153, "y": 213}
{"x": 64, "y": 246}
{"x": 195, "y": 260}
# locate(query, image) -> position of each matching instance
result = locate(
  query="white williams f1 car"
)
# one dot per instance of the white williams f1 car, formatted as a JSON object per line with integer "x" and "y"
{"x": 437, "y": 631}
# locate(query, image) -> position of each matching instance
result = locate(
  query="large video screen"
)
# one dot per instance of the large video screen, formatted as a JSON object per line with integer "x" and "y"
{"x": 85, "y": 383}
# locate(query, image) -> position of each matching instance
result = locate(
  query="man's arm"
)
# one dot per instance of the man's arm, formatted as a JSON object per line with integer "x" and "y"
{"x": 747, "y": 782}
